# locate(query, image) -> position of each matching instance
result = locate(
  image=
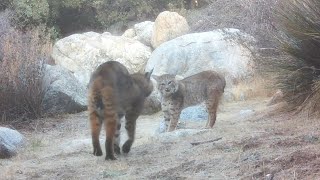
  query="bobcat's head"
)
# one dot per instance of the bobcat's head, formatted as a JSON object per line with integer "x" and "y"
{"x": 144, "y": 82}
{"x": 167, "y": 84}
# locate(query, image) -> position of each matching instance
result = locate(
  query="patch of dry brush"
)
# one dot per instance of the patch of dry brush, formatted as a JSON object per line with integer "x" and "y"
{"x": 293, "y": 23}
{"x": 22, "y": 56}
{"x": 300, "y": 77}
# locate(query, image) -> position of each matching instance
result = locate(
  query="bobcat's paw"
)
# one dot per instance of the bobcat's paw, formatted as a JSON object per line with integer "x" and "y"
{"x": 117, "y": 149}
{"x": 206, "y": 127}
{"x": 97, "y": 152}
{"x": 110, "y": 157}
{"x": 126, "y": 146}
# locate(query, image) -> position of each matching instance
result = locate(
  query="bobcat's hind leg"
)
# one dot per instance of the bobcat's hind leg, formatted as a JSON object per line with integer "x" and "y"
{"x": 95, "y": 132}
{"x": 110, "y": 125}
{"x": 111, "y": 121}
{"x": 212, "y": 106}
{"x": 117, "y": 135}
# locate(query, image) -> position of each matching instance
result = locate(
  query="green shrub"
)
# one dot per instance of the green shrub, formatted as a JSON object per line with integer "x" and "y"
{"x": 30, "y": 13}
{"x": 4, "y": 4}
{"x": 110, "y": 12}
{"x": 70, "y": 16}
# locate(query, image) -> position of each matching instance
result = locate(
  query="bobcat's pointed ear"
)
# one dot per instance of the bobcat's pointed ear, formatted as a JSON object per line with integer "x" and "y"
{"x": 148, "y": 74}
{"x": 155, "y": 77}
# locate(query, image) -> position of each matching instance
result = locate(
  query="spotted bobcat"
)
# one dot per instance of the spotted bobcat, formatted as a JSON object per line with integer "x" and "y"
{"x": 114, "y": 93}
{"x": 176, "y": 95}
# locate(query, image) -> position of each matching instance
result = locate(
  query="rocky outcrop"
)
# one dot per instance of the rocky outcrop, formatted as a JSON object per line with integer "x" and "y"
{"x": 225, "y": 51}
{"x": 167, "y": 26}
{"x": 153, "y": 102}
{"x": 63, "y": 92}
{"x": 83, "y": 53}
{"x": 11, "y": 141}
{"x": 129, "y": 33}
{"x": 144, "y": 32}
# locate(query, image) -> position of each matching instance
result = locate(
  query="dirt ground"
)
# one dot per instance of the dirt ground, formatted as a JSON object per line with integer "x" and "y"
{"x": 257, "y": 142}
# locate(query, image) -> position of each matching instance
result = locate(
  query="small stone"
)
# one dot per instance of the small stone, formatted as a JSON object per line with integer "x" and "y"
{"x": 246, "y": 112}
{"x": 269, "y": 177}
{"x": 10, "y": 142}
{"x": 19, "y": 171}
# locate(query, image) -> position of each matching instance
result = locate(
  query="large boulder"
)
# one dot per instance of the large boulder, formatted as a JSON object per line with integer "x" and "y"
{"x": 10, "y": 142}
{"x": 144, "y": 31}
{"x": 153, "y": 102}
{"x": 167, "y": 26}
{"x": 195, "y": 113}
{"x": 225, "y": 51}
{"x": 83, "y": 53}
{"x": 129, "y": 33}
{"x": 63, "y": 92}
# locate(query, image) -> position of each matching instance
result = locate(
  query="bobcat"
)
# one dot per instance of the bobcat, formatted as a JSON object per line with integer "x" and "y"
{"x": 114, "y": 93}
{"x": 176, "y": 95}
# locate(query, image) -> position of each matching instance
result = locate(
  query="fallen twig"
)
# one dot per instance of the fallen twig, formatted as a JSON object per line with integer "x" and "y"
{"x": 203, "y": 142}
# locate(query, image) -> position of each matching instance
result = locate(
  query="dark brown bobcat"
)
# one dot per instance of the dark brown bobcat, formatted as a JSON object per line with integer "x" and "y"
{"x": 114, "y": 93}
{"x": 176, "y": 95}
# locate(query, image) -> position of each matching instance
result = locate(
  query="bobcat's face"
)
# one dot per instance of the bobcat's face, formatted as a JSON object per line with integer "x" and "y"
{"x": 167, "y": 85}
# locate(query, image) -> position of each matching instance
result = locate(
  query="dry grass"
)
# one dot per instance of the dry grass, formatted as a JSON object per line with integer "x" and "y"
{"x": 254, "y": 17}
{"x": 251, "y": 16}
{"x": 293, "y": 23}
{"x": 258, "y": 87}
{"x": 281, "y": 144}
{"x": 299, "y": 22}
{"x": 21, "y": 70}
{"x": 311, "y": 105}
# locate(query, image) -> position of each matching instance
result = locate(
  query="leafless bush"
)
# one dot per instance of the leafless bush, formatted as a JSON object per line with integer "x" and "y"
{"x": 251, "y": 16}
{"x": 295, "y": 24}
{"x": 254, "y": 17}
{"x": 21, "y": 71}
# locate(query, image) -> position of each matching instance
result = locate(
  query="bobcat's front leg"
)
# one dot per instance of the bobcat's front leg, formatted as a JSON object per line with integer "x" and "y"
{"x": 166, "y": 116}
{"x": 174, "y": 114}
{"x": 173, "y": 122}
{"x": 131, "y": 118}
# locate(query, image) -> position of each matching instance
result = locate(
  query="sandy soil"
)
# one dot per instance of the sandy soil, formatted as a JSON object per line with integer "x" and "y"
{"x": 266, "y": 144}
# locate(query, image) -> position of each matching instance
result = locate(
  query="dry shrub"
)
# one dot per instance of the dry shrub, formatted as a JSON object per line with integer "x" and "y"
{"x": 21, "y": 72}
{"x": 258, "y": 87}
{"x": 254, "y": 17}
{"x": 299, "y": 22}
{"x": 251, "y": 16}
{"x": 312, "y": 103}
{"x": 315, "y": 101}
{"x": 295, "y": 23}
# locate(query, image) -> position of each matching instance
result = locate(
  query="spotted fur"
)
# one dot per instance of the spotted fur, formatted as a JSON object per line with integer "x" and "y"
{"x": 207, "y": 86}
